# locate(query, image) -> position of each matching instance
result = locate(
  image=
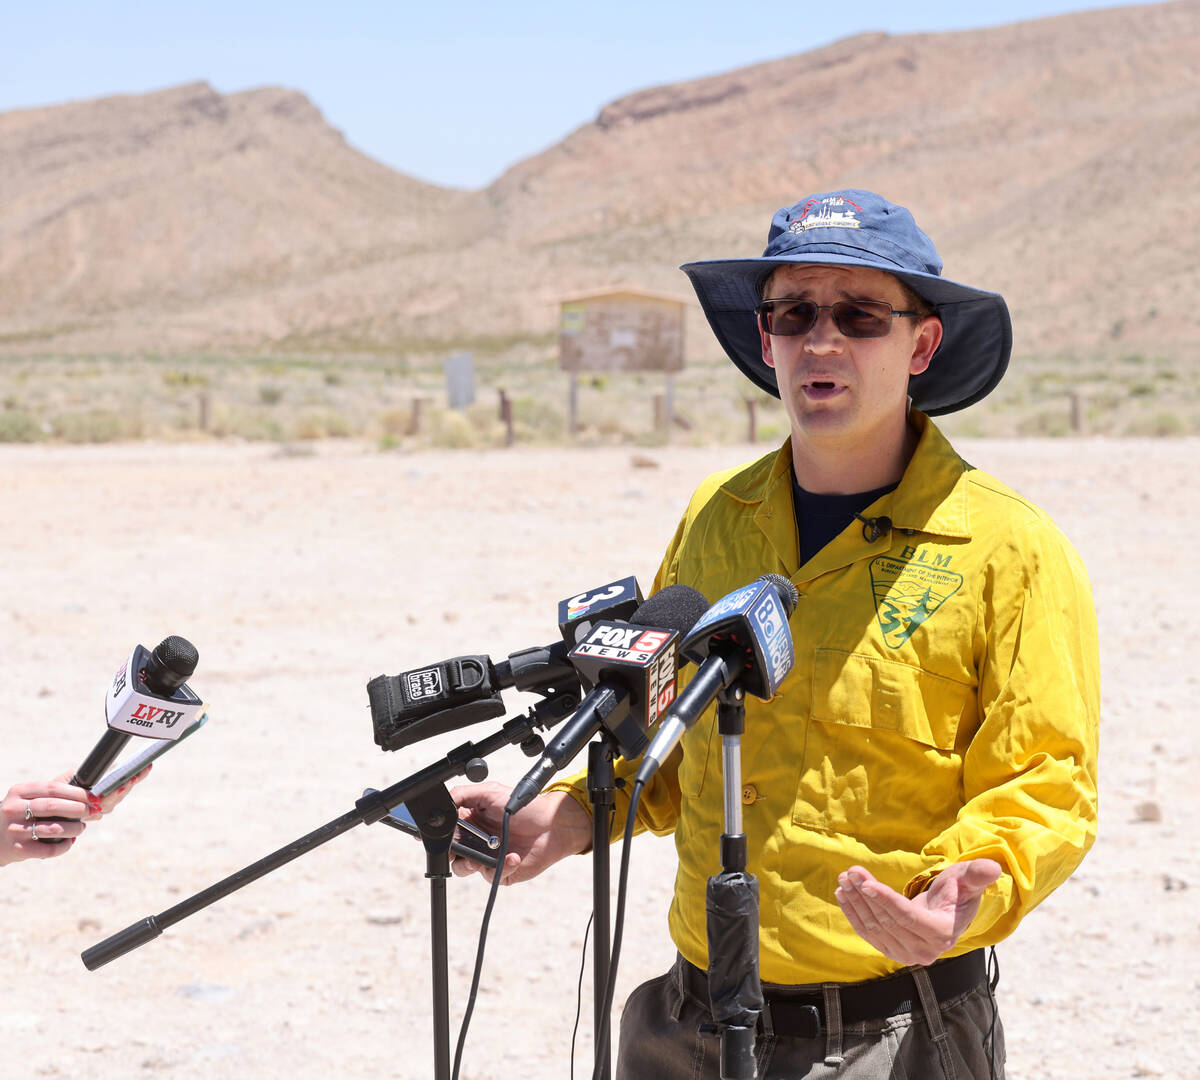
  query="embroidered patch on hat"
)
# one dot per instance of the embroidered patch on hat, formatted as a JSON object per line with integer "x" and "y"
{"x": 828, "y": 213}
{"x": 907, "y": 594}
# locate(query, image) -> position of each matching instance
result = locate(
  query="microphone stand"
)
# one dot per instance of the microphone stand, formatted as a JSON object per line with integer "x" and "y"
{"x": 601, "y": 784}
{"x": 734, "y": 989}
{"x": 436, "y": 816}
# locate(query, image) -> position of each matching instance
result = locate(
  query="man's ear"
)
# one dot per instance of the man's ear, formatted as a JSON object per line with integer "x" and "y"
{"x": 768, "y": 359}
{"x": 925, "y": 343}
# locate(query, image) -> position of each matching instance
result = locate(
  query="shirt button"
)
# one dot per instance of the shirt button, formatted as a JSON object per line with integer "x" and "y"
{"x": 749, "y": 794}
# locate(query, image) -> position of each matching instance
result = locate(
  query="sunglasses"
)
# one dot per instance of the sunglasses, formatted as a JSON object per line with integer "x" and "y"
{"x": 853, "y": 318}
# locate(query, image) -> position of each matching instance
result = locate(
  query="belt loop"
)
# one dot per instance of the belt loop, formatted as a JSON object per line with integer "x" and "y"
{"x": 677, "y": 980}
{"x": 766, "y": 1023}
{"x": 833, "y": 1024}
{"x": 933, "y": 1017}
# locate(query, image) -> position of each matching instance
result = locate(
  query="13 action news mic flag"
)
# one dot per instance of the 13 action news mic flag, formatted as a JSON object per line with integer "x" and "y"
{"x": 465, "y": 690}
{"x": 149, "y": 697}
{"x": 743, "y": 638}
{"x": 631, "y": 669}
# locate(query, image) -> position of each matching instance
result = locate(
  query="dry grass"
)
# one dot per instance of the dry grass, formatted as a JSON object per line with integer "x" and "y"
{"x": 401, "y": 403}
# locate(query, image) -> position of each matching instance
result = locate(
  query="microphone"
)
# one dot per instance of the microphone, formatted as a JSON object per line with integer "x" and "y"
{"x": 742, "y": 638}
{"x": 631, "y": 669}
{"x": 138, "y": 701}
{"x": 465, "y": 690}
{"x": 874, "y": 528}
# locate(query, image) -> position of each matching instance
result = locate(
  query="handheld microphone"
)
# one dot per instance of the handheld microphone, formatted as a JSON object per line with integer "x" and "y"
{"x": 631, "y": 669}
{"x": 743, "y": 638}
{"x": 465, "y": 690}
{"x": 149, "y": 697}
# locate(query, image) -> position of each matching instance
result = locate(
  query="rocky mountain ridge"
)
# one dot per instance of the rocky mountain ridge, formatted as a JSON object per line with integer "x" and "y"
{"x": 1050, "y": 160}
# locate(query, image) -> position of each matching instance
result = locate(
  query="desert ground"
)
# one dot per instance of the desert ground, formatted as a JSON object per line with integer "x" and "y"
{"x": 301, "y": 576}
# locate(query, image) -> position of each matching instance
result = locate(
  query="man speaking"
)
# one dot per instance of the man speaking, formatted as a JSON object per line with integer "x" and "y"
{"x": 927, "y": 773}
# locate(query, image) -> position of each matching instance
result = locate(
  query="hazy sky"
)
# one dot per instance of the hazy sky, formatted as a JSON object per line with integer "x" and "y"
{"x": 452, "y": 92}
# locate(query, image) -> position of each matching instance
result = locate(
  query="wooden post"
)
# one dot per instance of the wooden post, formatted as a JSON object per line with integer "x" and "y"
{"x": 414, "y": 419}
{"x": 506, "y": 418}
{"x": 751, "y": 405}
{"x": 669, "y": 405}
{"x": 202, "y": 418}
{"x": 1078, "y": 413}
{"x": 572, "y": 403}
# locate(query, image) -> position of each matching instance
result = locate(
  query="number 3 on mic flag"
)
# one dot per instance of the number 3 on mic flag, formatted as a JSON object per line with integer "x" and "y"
{"x": 131, "y": 707}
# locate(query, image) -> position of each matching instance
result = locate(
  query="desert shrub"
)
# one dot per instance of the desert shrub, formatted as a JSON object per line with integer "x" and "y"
{"x": 453, "y": 430}
{"x": 1160, "y": 425}
{"x": 1045, "y": 423}
{"x": 328, "y": 423}
{"x": 184, "y": 378}
{"x": 93, "y": 426}
{"x": 536, "y": 420}
{"x": 19, "y": 427}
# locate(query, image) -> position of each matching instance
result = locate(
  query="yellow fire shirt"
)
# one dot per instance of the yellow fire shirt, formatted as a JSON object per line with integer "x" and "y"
{"x": 944, "y": 706}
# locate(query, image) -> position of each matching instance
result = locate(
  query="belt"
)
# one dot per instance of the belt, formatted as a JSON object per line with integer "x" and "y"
{"x": 801, "y": 1012}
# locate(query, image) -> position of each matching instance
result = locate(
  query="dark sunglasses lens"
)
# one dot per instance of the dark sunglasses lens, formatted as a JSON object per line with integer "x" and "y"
{"x": 862, "y": 320}
{"x": 788, "y": 318}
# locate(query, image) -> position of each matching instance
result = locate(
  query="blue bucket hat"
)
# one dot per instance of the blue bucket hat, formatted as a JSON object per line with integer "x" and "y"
{"x": 860, "y": 228}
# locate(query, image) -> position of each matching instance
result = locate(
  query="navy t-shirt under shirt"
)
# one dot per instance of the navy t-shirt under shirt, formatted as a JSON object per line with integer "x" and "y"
{"x": 819, "y": 518}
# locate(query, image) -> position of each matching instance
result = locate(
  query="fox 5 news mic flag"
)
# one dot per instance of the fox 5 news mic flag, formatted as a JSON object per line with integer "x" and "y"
{"x": 642, "y": 658}
{"x": 743, "y": 638}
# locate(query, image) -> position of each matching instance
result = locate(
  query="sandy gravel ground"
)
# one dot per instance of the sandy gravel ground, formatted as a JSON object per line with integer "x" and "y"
{"x": 301, "y": 577}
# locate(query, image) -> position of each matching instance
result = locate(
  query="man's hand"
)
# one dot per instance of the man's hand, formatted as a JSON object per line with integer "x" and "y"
{"x": 550, "y": 828}
{"x": 919, "y": 930}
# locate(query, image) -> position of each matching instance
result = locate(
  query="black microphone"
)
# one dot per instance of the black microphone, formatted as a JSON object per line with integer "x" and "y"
{"x": 632, "y": 669}
{"x": 465, "y": 690}
{"x": 874, "y": 528}
{"x": 744, "y": 638}
{"x": 137, "y": 703}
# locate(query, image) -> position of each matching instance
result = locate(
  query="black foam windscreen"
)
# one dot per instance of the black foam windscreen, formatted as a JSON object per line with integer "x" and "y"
{"x": 171, "y": 664}
{"x": 677, "y": 607}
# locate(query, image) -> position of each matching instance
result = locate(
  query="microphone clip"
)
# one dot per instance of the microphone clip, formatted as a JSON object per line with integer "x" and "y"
{"x": 874, "y": 528}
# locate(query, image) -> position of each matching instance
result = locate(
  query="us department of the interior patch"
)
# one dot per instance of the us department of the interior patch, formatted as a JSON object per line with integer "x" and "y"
{"x": 907, "y": 594}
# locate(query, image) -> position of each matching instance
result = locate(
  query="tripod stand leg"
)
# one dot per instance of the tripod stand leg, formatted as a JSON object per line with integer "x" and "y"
{"x": 602, "y": 794}
{"x": 436, "y": 816}
{"x": 441, "y": 980}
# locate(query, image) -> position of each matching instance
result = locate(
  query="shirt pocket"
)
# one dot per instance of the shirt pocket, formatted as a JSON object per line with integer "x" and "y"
{"x": 881, "y": 756}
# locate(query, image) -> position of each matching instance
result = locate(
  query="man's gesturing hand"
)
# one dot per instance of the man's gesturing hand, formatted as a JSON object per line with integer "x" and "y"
{"x": 919, "y": 930}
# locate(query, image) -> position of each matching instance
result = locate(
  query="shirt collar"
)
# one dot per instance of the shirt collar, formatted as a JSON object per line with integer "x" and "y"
{"x": 929, "y": 497}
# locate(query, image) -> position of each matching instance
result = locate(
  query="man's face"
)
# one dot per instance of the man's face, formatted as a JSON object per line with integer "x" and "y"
{"x": 841, "y": 389}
